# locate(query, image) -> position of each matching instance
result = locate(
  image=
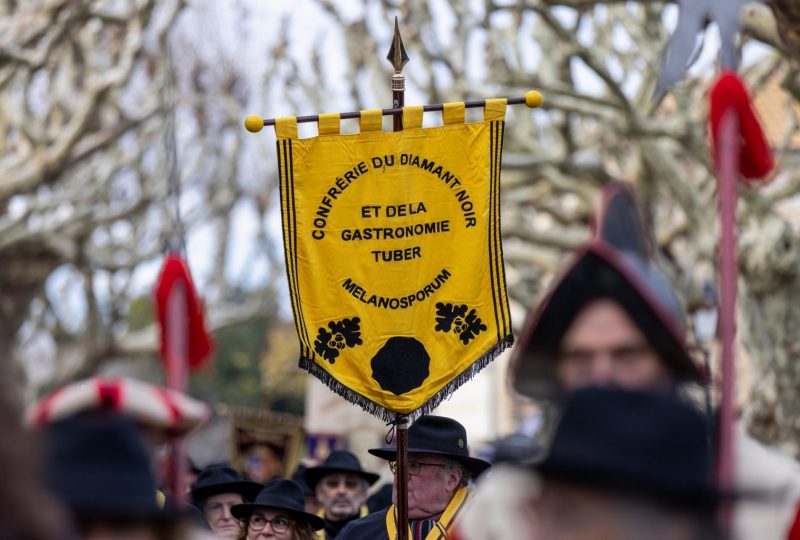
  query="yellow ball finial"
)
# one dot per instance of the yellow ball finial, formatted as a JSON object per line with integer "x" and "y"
{"x": 254, "y": 123}
{"x": 533, "y": 99}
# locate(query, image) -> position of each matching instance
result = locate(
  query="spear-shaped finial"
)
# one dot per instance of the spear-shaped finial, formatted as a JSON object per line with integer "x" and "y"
{"x": 397, "y": 53}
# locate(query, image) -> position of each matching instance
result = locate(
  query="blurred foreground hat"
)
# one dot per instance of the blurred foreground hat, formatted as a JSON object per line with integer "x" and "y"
{"x": 638, "y": 443}
{"x": 98, "y": 467}
{"x": 432, "y": 434}
{"x": 617, "y": 265}
{"x": 338, "y": 461}
{"x": 162, "y": 410}
{"x": 283, "y": 495}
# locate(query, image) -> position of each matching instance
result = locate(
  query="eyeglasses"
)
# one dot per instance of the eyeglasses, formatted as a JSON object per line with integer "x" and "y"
{"x": 279, "y": 524}
{"x": 414, "y": 467}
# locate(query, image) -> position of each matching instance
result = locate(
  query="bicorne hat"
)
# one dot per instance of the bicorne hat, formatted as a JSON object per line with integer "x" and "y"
{"x": 432, "y": 434}
{"x": 283, "y": 495}
{"x": 615, "y": 264}
{"x": 638, "y": 443}
{"x": 218, "y": 479}
{"x": 338, "y": 461}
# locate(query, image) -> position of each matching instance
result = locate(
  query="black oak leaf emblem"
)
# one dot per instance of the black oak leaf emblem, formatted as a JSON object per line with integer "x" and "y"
{"x": 447, "y": 314}
{"x": 349, "y": 329}
{"x": 343, "y": 333}
{"x": 325, "y": 346}
{"x": 459, "y": 319}
{"x": 471, "y": 327}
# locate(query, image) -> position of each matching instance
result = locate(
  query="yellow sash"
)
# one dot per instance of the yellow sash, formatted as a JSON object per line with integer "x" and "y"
{"x": 321, "y": 513}
{"x": 459, "y": 501}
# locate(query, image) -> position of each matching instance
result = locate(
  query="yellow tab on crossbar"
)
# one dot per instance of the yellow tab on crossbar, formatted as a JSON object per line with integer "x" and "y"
{"x": 371, "y": 120}
{"x": 495, "y": 109}
{"x": 412, "y": 116}
{"x": 453, "y": 113}
{"x": 286, "y": 127}
{"x": 329, "y": 124}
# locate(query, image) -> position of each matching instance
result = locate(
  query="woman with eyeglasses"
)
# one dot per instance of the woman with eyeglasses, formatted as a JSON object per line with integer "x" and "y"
{"x": 278, "y": 512}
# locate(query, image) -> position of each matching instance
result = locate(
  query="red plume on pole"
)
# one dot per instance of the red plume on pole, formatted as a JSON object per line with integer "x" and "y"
{"x": 755, "y": 155}
{"x": 175, "y": 274}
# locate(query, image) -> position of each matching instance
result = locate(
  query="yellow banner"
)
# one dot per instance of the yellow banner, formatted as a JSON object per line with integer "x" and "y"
{"x": 392, "y": 245}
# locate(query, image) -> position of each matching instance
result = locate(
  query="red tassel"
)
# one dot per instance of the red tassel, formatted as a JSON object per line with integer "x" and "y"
{"x": 756, "y": 159}
{"x": 200, "y": 345}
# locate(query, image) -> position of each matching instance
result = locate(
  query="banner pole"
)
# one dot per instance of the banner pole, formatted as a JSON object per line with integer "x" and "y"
{"x": 398, "y": 57}
{"x": 728, "y": 180}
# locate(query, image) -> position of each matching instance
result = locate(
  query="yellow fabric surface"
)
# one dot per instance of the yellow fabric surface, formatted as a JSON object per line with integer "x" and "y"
{"x": 453, "y": 113}
{"x": 412, "y": 117}
{"x": 495, "y": 109}
{"x": 286, "y": 127}
{"x": 329, "y": 124}
{"x": 371, "y": 120}
{"x": 392, "y": 244}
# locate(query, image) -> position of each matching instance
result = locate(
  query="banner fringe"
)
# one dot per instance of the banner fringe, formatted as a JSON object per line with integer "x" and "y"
{"x": 388, "y": 415}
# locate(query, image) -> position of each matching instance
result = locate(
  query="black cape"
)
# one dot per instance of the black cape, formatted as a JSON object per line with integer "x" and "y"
{"x": 371, "y": 527}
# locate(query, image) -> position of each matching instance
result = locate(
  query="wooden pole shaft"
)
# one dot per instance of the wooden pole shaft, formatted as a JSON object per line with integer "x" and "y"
{"x": 401, "y": 477}
{"x": 728, "y": 274}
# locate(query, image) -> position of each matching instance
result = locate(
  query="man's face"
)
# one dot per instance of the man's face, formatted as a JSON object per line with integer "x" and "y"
{"x": 341, "y": 494}
{"x": 603, "y": 346}
{"x": 217, "y": 511}
{"x": 431, "y": 485}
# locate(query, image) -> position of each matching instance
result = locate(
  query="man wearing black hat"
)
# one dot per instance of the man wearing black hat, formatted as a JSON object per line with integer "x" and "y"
{"x": 216, "y": 491}
{"x": 627, "y": 465}
{"x": 439, "y": 469}
{"x": 340, "y": 485}
{"x": 613, "y": 319}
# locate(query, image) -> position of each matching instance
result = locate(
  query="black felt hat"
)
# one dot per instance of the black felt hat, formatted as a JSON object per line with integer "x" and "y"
{"x": 97, "y": 466}
{"x": 616, "y": 264}
{"x": 338, "y": 461}
{"x": 437, "y": 435}
{"x": 283, "y": 495}
{"x": 217, "y": 479}
{"x": 639, "y": 443}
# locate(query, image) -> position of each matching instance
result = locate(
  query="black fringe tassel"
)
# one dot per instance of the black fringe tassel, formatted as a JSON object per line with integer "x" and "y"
{"x": 388, "y": 415}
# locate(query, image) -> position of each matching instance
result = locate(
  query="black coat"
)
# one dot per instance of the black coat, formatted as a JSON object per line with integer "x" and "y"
{"x": 371, "y": 527}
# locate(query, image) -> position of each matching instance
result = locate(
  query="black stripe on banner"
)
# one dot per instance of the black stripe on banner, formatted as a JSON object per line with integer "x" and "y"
{"x": 293, "y": 216}
{"x": 282, "y": 185}
{"x": 491, "y": 225}
{"x": 495, "y": 222}
{"x": 498, "y": 141}
{"x": 503, "y": 293}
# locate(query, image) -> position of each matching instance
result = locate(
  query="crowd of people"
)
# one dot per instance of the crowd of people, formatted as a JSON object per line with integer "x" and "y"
{"x": 629, "y": 456}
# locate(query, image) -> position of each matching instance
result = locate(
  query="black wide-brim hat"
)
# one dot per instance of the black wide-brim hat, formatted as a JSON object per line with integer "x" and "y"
{"x": 643, "y": 444}
{"x": 283, "y": 495}
{"x": 338, "y": 461}
{"x": 217, "y": 479}
{"x": 616, "y": 265}
{"x": 437, "y": 435}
